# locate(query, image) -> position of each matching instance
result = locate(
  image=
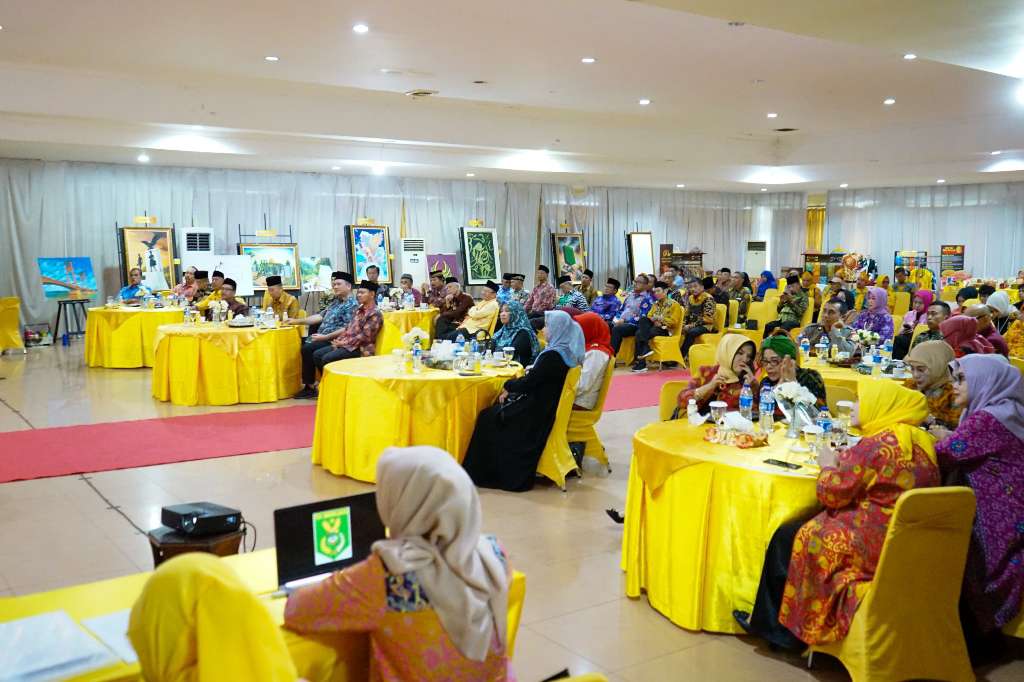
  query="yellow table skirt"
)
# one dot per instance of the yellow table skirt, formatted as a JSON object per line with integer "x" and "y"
{"x": 366, "y": 405}
{"x": 399, "y": 322}
{"x": 10, "y": 323}
{"x": 124, "y": 337}
{"x": 218, "y": 365}
{"x": 699, "y": 517}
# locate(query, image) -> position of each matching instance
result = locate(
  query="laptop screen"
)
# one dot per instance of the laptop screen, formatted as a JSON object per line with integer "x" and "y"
{"x": 325, "y": 536}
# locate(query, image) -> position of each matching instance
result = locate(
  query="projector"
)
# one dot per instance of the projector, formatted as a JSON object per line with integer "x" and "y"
{"x": 201, "y": 518}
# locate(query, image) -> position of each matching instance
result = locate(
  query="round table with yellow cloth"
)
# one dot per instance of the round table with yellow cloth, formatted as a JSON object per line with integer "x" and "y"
{"x": 124, "y": 337}
{"x": 368, "y": 404}
{"x": 699, "y": 517}
{"x": 213, "y": 364}
{"x": 399, "y": 322}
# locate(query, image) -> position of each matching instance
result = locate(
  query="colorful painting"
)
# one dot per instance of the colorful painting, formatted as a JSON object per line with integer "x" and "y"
{"x": 67, "y": 277}
{"x": 273, "y": 259}
{"x": 570, "y": 259}
{"x": 369, "y": 245}
{"x": 480, "y": 253}
{"x": 316, "y": 273}
{"x": 447, "y": 263}
{"x": 151, "y": 249}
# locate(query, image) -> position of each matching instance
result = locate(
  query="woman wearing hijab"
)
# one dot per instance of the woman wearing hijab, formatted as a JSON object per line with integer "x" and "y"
{"x": 765, "y": 283}
{"x": 724, "y": 380}
{"x": 510, "y": 436}
{"x": 516, "y": 332}
{"x": 961, "y": 333}
{"x": 815, "y": 573}
{"x": 1003, "y": 313}
{"x": 918, "y": 314}
{"x": 877, "y": 317}
{"x": 780, "y": 361}
{"x": 597, "y": 340}
{"x": 434, "y": 595}
{"x": 965, "y": 294}
{"x": 929, "y": 366}
{"x": 986, "y": 452}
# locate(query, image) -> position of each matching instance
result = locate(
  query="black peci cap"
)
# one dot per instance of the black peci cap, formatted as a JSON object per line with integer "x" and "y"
{"x": 231, "y": 283}
{"x": 338, "y": 274}
{"x": 202, "y": 274}
{"x": 544, "y": 268}
{"x": 493, "y": 286}
{"x": 614, "y": 282}
{"x": 707, "y": 282}
{"x": 273, "y": 280}
{"x": 563, "y": 279}
{"x": 368, "y": 285}
{"x": 451, "y": 280}
{"x": 589, "y": 273}
{"x": 218, "y": 273}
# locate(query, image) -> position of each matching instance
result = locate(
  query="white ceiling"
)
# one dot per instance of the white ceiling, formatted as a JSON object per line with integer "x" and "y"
{"x": 98, "y": 80}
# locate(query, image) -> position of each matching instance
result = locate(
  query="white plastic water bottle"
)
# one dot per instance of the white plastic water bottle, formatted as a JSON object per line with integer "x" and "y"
{"x": 460, "y": 343}
{"x": 824, "y": 420}
{"x": 691, "y": 409}
{"x": 887, "y": 349}
{"x": 417, "y": 357}
{"x": 767, "y": 409}
{"x": 805, "y": 348}
{"x": 746, "y": 401}
{"x": 876, "y": 355}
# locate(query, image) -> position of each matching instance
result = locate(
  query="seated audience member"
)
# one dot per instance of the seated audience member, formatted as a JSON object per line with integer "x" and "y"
{"x": 986, "y": 452}
{"x": 480, "y": 316}
{"x": 202, "y": 285}
{"x": 983, "y": 315}
{"x": 739, "y": 291}
{"x": 633, "y": 309}
{"x": 700, "y": 314}
{"x": 661, "y": 319}
{"x": 734, "y": 362}
{"x": 509, "y": 436}
{"x": 519, "y": 294}
{"x": 1015, "y": 339}
{"x": 227, "y": 292}
{"x": 214, "y": 294}
{"x": 815, "y": 573}
{"x": 877, "y": 317}
{"x": 984, "y": 291}
{"x": 918, "y": 314}
{"x": 607, "y": 305}
{"x": 569, "y": 297}
{"x": 597, "y": 341}
{"x": 505, "y": 290}
{"x": 837, "y": 291}
{"x": 280, "y": 301}
{"x": 372, "y": 276}
{"x": 793, "y": 304}
{"x": 543, "y": 296}
{"x": 135, "y": 290}
{"x": 516, "y": 332}
{"x": 188, "y": 287}
{"x": 929, "y": 366}
{"x": 405, "y": 286}
{"x": 332, "y": 322}
{"x": 453, "y": 310}
{"x": 435, "y": 292}
{"x": 780, "y": 360}
{"x": 832, "y": 326}
{"x": 964, "y": 295}
{"x": 883, "y": 283}
{"x": 809, "y": 287}
{"x": 1020, "y": 296}
{"x": 860, "y": 292}
{"x": 961, "y": 333}
{"x": 765, "y": 283}
{"x": 1003, "y": 313}
{"x": 359, "y": 337}
{"x": 902, "y": 284}
{"x": 938, "y": 312}
{"x": 587, "y": 287}
{"x": 718, "y": 290}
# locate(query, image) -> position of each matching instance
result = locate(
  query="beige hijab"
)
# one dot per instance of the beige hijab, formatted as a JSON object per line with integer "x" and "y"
{"x": 727, "y": 349}
{"x": 935, "y": 356}
{"x": 432, "y": 512}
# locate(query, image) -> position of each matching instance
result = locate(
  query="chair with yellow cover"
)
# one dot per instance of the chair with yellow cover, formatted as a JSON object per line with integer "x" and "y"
{"x": 668, "y": 348}
{"x": 949, "y": 293}
{"x": 556, "y": 460}
{"x": 899, "y": 303}
{"x": 1018, "y": 363}
{"x": 1015, "y": 628}
{"x": 834, "y": 394}
{"x": 763, "y": 313}
{"x": 808, "y": 314}
{"x": 581, "y": 422}
{"x": 715, "y": 337}
{"x": 701, "y": 355}
{"x": 10, "y": 324}
{"x": 969, "y": 302}
{"x": 516, "y": 597}
{"x": 917, "y": 331}
{"x": 733, "y": 312}
{"x": 627, "y": 351}
{"x": 907, "y": 625}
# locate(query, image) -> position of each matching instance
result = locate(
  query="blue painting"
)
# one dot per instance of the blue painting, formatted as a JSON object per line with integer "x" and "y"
{"x": 369, "y": 246}
{"x": 67, "y": 277}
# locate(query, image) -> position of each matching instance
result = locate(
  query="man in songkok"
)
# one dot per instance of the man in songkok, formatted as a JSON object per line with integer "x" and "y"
{"x": 135, "y": 289}
{"x": 505, "y": 290}
{"x": 793, "y": 304}
{"x": 202, "y": 285}
{"x": 332, "y": 323}
{"x": 519, "y": 294}
{"x": 235, "y": 306}
{"x": 587, "y": 287}
{"x": 607, "y": 305}
{"x": 372, "y": 275}
{"x": 570, "y": 298}
{"x": 541, "y": 299}
{"x": 280, "y": 301}
{"x": 216, "y": 282}
{"x": 434, "y": 293}
{"x": 454, "y": 309}
{"x": 481, "y": 316}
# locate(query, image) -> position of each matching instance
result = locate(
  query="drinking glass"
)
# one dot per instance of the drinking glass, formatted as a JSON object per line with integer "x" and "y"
{"x": 398, "y": 356}
{"x": 845, "y": 408}
{"x": 812, "y": 432}
{"x": 510, "y": 354}
{"x": 718, "y": 412}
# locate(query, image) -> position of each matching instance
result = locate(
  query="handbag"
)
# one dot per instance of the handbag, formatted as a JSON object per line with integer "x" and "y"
{"x": 509, "y": 409}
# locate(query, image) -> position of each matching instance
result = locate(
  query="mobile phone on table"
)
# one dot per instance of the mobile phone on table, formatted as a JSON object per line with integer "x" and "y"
{"x": 780, "y": 463}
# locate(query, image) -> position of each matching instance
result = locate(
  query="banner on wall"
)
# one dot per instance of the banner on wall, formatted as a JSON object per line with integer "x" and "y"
{"x": 951, "y": 259}
{"x": 910, "y": 259}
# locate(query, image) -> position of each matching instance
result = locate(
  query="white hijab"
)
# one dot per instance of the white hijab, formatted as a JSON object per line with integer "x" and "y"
{"x": 1000, "y": 300}
{"x": 432, "y": 512}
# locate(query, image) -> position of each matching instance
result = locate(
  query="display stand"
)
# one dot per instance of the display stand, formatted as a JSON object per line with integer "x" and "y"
{"x": 823, "y": 265}
{"x": 690, "y": 265}
{"x": 73, "y": 311}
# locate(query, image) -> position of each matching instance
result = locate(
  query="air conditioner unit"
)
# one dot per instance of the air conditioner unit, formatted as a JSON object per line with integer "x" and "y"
{"x": 414, "y": 259}
{"x": 198, "y": 240}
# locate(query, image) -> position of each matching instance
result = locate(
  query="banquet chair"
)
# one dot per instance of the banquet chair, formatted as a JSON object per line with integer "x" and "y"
{"x": 949, "y": 293}
{"x": 713, "y": 338}
{"x": 834, "y": 394}
{"x": 899, "y": 303}
{"x": 556, "y": 460}
{"x": 734, "y": 312}
{"x": 808, "y": 314}
{"x": 581, "y": 423}
{"x": 917, "y": 330}
{"x": 627, "y": 351}
{"x": 10, "y": 324}
{"x": 701, "y": 355}
{"x": 906, "y": 612}
{"x": 762, "y": 313}
{"x": 1018, "y": 363}
{"x": 669, "y": 398}
{"x": 669, "y": 348}
{"x": 494, "y": 323}
{"x": 516, "y": 597}
{"x": 971, "y": 301}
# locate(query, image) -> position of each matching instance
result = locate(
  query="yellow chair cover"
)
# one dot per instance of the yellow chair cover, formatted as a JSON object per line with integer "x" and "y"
{"x": 10, "y": 323}
{"x": 669, "y": 398}
{"x": 809, "y": 313}
{"x": 899, "y": 303}
{"x": 400, "y": 322}
{"x": 627, "y": 351}
{"x": 971, "y": 301}
{"x": 733, "y": 312}
{"x": 835, "y": 393}
{"x": 556, "y": 461}
{"x": 701, "y": 355}
{"x": 124, "y": 337}
{"x": 908, "y": 626}
{"x": 1018, "y": 363}
{"x": 949, "y": 293}
{"x": 713, "y": 339}
{"x": 581, "y": 422}
{"x": 668, "y": 348}
{"x": 763, "y": 313}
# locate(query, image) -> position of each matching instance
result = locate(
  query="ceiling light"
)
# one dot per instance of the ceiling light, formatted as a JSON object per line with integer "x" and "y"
{"x": 335, "y": 167}
{"x": 644, "y": 102}
{"x": 889, "y": 101}
{"x": 680, "y": 186}
{"x": 1005, "y": 166}
{"x": 844, "y": 185}
{"x": 379, "y": 169}
{"x": 941, "y": 181}
{"x": 361, "y": 28}
{"x": 271, "y": 58}
{"x": 142, "y": 158}
{"x": 910, "y": 56}
{"x": 774, "y": 175}
{"x": 470, "y": 175}
{"x": 588, "y": 60}
{"x": 996, "y": 152}
{"x": 772, "y": 114}
{"x": 764, "y": 189}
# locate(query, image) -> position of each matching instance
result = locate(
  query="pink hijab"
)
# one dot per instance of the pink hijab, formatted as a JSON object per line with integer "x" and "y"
{"x": 961, "y": 333}
{"x": 913, "y": 318}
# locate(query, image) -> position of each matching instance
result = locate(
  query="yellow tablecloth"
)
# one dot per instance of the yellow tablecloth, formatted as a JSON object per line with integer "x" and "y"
{"x": 399, "y": 322}
{"x": 124, "y": 337}
{"x": 218, "y": 365}
{"x": 367, "y": 404}
{"x": 10, "y": 323}
{"x": 699, "y": 517}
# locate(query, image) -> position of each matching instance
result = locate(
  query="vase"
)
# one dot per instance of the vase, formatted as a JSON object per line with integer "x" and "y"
{"x": 794, "y": 425}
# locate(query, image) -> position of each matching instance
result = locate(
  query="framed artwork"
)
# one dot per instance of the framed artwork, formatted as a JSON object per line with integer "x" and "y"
{"x": 369, "y": 245}
{"x": 67, "y": 277}
{"x": 316, "y": 273}
{"x": 570, "y": 258}
{"x": 480, "y": 254}
{"x": 640, "y": 247}
{"x": 447, "y": 263}
{"x": 150, "y": 249}
{"x": 273, "y": 259}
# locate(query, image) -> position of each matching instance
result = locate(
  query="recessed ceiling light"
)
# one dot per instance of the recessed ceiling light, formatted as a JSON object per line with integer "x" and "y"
{"x": 335, "y": 167}
{"x": 941, "y": 181}
{"x": 470, "y": 175}
{"x": 764, "y": 189}
{"x": 996, "y": 152}
{"x": 680, "y": 186}
{"x": 142, "y": 158}
{"x": 644, "y": 102}
{"x": 588, "y": 60}
{"x": 910, "y": 56}
{"x": 271, "y": 58}
{"x": 889, "y": 101}
{"x": 361, "y": 28}
{"x": 390, "y": 72}
{"x": 844, "y": 185}
{"x": 772, "y": 114}
{"x": 379, "y": 169}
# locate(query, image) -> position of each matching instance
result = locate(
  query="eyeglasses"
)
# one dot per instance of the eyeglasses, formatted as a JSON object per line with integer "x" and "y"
{"x": 771, "y": 362}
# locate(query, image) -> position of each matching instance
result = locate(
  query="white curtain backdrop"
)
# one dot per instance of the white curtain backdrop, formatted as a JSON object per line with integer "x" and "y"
{"x": 70, "y": 209}
{"x": 988, "y": 219}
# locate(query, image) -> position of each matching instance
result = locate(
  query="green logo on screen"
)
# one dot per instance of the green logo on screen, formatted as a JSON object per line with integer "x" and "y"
{"x": 332, "y": 536}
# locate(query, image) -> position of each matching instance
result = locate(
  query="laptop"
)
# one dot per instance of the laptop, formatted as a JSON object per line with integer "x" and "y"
{"x": 314, "y": 540}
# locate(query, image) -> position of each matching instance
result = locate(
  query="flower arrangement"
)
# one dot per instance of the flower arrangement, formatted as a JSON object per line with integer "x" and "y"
{"x": 794, "y": 393}
{"x": 866, "y": 337}
{"x": 409, "y": 338}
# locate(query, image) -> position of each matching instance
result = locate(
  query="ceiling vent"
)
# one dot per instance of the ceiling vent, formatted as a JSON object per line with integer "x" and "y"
{"x": 420, "y": 93}
{"x": 786, "y": 130}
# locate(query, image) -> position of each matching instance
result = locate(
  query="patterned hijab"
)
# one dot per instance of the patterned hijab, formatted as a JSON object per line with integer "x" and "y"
{"x": 596, "y": 335}
{"x": 888, "y": 406}
{"x": 517, "y": 322}
{"x": 994, "y": 386}
{"x": 935, "y": 357}
{"x": 564, "y": 337}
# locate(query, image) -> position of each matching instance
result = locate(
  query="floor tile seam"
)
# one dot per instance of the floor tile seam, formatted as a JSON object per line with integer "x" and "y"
{"x": 570, "y": 612}
{"x": 560, "y": 646}
{"x": 666, "y": 655}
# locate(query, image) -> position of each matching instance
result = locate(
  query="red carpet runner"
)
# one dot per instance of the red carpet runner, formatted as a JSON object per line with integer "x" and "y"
{"x": 39, "y": 453}
{"x": 630, "y": 391}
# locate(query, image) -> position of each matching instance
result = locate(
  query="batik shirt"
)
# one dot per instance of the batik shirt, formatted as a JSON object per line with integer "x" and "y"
{"x": 607, "y": 306}
{"x": 435, "y": 296}
{"x": 134, "y": 291}
{"x": 338, "y": 315}
{"x": 543, "y": 298}
{"x": 504, "y": 294}
{"x": 635, "y": 306}
{"x": 361, "y": 332}
{"x": 927, "y": 335}
{"x": 793, "y": 310}
{"x": 520, "y": 296}
{"x": 574, "y": 299}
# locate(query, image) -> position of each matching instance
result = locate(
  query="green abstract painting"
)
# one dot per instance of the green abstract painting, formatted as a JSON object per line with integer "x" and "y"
{"x": 480, "y": 249}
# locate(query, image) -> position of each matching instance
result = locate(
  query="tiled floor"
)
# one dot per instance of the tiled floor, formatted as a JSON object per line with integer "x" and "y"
{"x": 61, "y": 531}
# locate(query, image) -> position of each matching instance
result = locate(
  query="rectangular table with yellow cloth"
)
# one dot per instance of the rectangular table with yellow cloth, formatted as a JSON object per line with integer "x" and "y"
{"x": 10, "y": 323}
{"x": 367, "y": 404}
{"x": 213, "y": 364}
{"x": 123, "y": 337}
{"x": 338, "y": 657}
{"x": 699, "y": 517}
{"x": 400, "y": 322}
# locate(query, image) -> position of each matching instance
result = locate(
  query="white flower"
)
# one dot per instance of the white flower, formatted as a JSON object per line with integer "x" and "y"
{"x": 409, "y": 338}
{"x": 794, "y": 393}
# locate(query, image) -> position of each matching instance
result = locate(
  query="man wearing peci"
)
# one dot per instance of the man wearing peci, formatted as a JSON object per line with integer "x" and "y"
{"x": 481, "y": 316}
{"x": 227, "y": 292}
{"x": 434, "y": 293}
{"x": 359, "y": 338}
{"x": 216, "y": 281}
{"x": 280, "y": 301}
{"x": 332, "y": 323}
{"x": 587, "y": 287}
{"x": 518, "y": 293}
{"x": 607, "y": 304}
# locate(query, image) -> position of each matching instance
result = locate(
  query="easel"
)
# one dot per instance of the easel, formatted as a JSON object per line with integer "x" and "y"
{"x": 73, "y": 311}
{"x": 260, "y": 237}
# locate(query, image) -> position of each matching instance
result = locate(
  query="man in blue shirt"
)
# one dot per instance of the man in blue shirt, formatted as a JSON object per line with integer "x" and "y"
{"x": 607, "y": 305}
{"x": 135, "y": 289}
{"x": 332, "y": 323}
{"x": 633, "y": 308}
{"x": 505, "y": 291}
